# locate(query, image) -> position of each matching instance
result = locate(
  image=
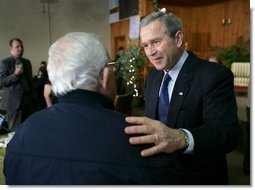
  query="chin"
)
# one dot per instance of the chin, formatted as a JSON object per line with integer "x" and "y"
{"x": 159, "y": 66}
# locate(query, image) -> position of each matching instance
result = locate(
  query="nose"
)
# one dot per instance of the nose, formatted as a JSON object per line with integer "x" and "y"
{"x": 151, "y": 50}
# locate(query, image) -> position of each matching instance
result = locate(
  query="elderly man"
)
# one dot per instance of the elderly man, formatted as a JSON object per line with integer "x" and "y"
{"x": 81, "y": 139}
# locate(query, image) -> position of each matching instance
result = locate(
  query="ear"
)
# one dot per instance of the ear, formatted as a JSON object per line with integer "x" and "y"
{"x": 179, "y": 38}
{"x": 107, "y": 85}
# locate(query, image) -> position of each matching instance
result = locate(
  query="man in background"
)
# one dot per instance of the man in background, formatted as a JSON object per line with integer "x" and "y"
{"x": 16, "y": 78}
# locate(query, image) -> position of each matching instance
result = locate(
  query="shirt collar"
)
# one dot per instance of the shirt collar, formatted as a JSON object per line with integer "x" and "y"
{"x": 176, "y": 69}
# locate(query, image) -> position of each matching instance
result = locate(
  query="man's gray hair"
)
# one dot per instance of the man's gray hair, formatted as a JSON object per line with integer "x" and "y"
{"x": 171, "y": 22}
{"x": 76, "y": 60}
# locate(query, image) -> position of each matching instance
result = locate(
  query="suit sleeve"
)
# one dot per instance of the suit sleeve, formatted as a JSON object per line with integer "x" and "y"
{"x": 7, "y": 77}
{"x": 219, "y": 131}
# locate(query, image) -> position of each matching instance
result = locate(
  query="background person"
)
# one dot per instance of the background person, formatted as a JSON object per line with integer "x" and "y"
{"x": 39, "y": 83}
{"x": 16, "y": 78}
{"x": 43, "y": 64}
{"x": 49, "y": 96}
{"x": 201, "y": 124}
{"x": 81, "y": 139}
{"x": 214, "y": 58}
{"x": 120, "y": 82}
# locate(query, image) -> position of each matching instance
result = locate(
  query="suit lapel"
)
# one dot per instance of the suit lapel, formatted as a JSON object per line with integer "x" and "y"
{"x": 154, "y": 80}
{"x": 157, "y": 83}
{"x": 180, "y": 92}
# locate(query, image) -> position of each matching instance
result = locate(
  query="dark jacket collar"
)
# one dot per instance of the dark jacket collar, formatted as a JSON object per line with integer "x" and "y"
{"x": 86, "y": 97}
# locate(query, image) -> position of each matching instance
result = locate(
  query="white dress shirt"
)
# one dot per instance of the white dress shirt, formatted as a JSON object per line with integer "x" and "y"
{"x": 174, "y": 72}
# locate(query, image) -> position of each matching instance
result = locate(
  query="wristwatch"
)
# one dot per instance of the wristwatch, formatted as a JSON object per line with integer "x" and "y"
{"x": 186, "y": 139}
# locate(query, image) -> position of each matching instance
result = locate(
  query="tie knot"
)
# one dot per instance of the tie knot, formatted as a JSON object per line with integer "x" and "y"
{"x": 167, "y": 78}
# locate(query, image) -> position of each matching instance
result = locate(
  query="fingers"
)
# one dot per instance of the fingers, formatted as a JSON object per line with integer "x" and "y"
{"x": 141, "y": 125}
{"x": 156, "y": 137}
{"x": 142, "y": 121}
{"x": 139, "y": 129}
{"x": 144, "y": 125}
{"x": 19, "y": 66}
{"x": 135, "y": 120}
{"x": 146, "y": 139}
{"x": 150, "y": 132}
{"x": 152, "y": 151}
{"x": 18, "y": 70}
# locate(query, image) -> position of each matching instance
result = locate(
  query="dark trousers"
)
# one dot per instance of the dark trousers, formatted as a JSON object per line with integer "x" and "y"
{"x": 16, "y": 117}
{"x": 246, "y": 160}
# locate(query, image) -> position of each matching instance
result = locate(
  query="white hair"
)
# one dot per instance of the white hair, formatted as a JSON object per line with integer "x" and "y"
{"x": 75, "y": 60}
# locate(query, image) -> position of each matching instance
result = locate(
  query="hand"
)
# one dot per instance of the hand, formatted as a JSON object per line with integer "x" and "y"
{"x": 18, "y": 69}
{"x": 165, "y": 139}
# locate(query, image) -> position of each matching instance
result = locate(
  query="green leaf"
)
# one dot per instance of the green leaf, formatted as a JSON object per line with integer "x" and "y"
{"x": 239, "y": 52}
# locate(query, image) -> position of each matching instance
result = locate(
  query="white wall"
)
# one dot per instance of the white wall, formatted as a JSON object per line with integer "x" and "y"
{"x": 25, "y": 19}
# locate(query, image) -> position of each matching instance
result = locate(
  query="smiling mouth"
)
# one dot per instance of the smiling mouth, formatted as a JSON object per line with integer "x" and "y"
{"x": 157, "y": 59}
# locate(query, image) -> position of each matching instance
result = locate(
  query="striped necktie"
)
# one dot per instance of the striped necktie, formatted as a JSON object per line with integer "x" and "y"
{"x": 164, "y": 100}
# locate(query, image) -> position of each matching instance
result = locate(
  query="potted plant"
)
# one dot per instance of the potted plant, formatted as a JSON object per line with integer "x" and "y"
{"x": 239, "y": 52}
{"x": 130, "y": 65}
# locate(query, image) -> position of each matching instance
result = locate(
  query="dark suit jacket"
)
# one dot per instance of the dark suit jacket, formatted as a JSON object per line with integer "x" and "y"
{"x": 203, "y": 101}
{"x": 12, "y": 88}
{"x": 80, "y": 140}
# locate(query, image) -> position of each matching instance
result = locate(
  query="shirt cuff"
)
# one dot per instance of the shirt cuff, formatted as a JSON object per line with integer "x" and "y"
{"x": 190, "y": 148}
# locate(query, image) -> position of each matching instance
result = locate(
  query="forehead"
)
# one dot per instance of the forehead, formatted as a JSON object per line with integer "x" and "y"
{"x": 152, "y": 30}
{"x": 16, "y": 43}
